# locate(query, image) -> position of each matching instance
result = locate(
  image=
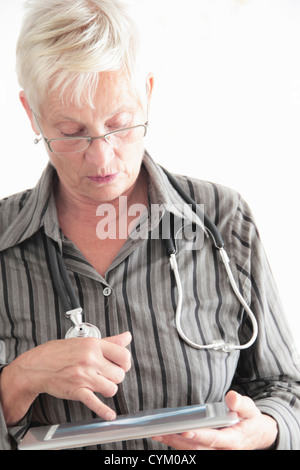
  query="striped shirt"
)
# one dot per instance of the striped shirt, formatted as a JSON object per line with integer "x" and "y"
{"x": 138, "y": 293}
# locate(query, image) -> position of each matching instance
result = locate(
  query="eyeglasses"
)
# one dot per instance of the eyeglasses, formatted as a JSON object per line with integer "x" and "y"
{"x": 116, "y": 139}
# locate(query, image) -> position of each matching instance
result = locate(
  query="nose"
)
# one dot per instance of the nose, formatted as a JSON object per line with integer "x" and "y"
{"x": 100, "y": 153}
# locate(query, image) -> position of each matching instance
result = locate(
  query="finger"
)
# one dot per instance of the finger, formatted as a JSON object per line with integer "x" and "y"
{"x": 107, "y": 385}
{"x": 89, "y": 399}
{"x": 110, "y": 371}
{"x": 209, "y": 438}
{"x": 124, "y": 339}
{"x": 244, "y": 406}
{"x": 94, "y": 381}
{"x": 117, "y": 354}
{"x": 179, "y": 442}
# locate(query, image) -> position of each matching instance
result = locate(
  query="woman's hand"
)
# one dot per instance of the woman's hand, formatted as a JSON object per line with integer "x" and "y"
{"x": 71, "y": 369}
{"x": 254, "y": 431}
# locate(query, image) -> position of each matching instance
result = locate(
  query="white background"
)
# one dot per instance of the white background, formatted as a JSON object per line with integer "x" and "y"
{"x": 226, "y": 108}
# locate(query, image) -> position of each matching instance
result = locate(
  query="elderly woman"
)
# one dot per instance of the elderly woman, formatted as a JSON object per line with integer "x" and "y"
{"x": 88, "y": 101}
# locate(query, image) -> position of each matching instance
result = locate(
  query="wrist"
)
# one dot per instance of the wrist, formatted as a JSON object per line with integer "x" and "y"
{"x": 16, "y": 393}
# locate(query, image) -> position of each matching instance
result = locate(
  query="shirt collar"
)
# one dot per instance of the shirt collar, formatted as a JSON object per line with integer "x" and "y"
{"x": 162, "y": 193}
{"x": 39, "y": 209}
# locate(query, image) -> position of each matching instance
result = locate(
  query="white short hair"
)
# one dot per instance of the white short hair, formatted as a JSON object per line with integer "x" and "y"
{"x": 64, "y": 44}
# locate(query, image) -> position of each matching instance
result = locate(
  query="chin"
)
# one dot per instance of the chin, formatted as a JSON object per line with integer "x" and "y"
{"x": 107, "y": 194}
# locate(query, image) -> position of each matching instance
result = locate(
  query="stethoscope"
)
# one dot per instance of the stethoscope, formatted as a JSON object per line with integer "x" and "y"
{"x": 74, "y": 311}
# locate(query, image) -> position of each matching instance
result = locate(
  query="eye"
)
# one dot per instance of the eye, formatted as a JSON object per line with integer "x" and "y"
{"x": 76, "y": 134}
{"x": 70, "y": 129}
{"x": 67, "y": 133}
{"x": 120, "y": 121}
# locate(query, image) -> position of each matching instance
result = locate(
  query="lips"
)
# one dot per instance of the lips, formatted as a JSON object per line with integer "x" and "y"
{"x": 103, "y": 179}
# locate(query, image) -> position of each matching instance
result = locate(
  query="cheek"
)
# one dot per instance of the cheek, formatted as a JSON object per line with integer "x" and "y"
{"x": 133, "y": 159}
{"x": 66, "y": 167}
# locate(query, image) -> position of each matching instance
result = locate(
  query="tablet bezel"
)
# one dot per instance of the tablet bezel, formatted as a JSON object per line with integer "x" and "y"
{"x": 126, "y": 427}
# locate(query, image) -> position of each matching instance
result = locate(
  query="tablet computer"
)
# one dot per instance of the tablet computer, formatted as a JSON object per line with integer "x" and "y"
{"x": 125, "y": 427}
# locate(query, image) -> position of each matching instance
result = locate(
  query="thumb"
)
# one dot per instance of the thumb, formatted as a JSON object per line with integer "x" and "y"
{"x": 244, "y": 406}
{"x": 124, "y": 339}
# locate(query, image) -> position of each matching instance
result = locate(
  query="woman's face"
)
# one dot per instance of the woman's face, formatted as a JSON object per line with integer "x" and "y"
{"x": 102, "y": 172}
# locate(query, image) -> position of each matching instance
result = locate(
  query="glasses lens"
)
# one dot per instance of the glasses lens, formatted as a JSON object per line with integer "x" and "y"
{"x": 126, "y": 136}
{"x": 69, "y": 145}
{"x": 115, "y": 139}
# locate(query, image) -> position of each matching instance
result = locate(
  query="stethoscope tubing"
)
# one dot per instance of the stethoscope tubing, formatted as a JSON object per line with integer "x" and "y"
{"x": 67, "y": 295}
{"x": 217, "y": 344}
{"x": 220, "y": 246}
{"x": 61, "y": 278}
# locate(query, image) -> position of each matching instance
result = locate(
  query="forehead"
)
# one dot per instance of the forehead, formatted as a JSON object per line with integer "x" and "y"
{"x": 114, "y": 92}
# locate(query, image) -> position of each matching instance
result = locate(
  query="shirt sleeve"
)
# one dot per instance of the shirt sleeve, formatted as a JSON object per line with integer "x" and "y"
{"x": 268, "y": 372}
{"x": 9, "y": 437}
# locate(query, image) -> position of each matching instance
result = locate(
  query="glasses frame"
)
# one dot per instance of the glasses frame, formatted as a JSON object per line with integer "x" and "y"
{"x": 88, "y": 139}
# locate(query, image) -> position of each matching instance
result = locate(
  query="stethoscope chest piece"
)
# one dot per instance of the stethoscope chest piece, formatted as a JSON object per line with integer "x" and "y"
{"x": 80, "y": 329}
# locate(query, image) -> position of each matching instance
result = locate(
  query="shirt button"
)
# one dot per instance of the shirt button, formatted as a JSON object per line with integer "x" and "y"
{"x": 107, "y": 291}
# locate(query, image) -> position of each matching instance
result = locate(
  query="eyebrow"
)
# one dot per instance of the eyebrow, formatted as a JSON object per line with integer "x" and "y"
{"x": 119, "y": 110}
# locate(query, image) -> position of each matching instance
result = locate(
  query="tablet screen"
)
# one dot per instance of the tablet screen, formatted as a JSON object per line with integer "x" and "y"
{"x": 155, "y": 417}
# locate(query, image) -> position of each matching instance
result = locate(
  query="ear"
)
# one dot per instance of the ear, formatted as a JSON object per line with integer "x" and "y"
{"x": 29, "y": 112}
{"x": 149, "y": 86}
{"x": 149, "y": 89}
